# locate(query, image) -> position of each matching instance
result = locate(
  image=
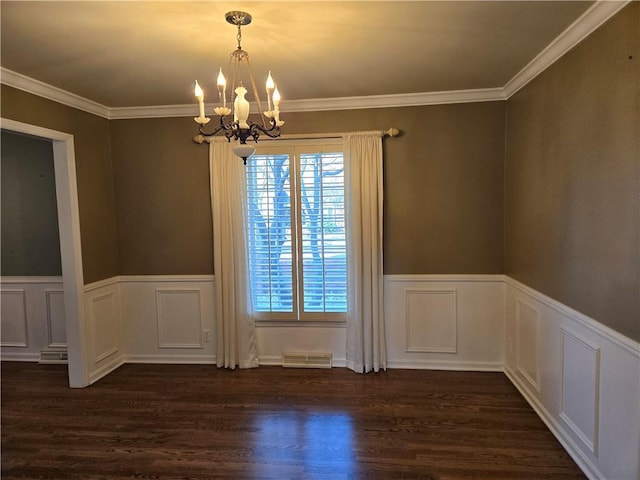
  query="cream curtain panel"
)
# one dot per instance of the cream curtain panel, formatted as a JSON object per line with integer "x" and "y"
{"x": 366, "y": 343}
{"x": 235, "y": 326}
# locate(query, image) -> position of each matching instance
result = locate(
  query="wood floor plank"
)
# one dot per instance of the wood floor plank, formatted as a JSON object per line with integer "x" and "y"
{"x": 200, "y": 422}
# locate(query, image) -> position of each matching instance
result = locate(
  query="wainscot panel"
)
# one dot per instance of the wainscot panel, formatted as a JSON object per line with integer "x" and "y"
{"x": 32, "y": 317}
{"x": 445, "y": 322}
{"x": 168, "y": 318}
{"x": 583, "y": 379}
{"x": 104, "y": 327}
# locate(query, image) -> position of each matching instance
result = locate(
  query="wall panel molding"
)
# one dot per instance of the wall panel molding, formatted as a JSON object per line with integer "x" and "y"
{"x": 14, "y": 318}
{"x": 104, "y": 317}
{"x": 527, "y": 334}
{"x": 432, "y": 320}
{"x": 594, "y": 326}
{"x": 56, "y": 327}
{"x": 4, "y": 280}
{"x": 166, "y": 278}
{"x": 103, "y": 311}
{"x": 581, "y": 387}
{"x": 450, "y": 322}
{"x": 33, "y": 318}
{"x": 101, "y": 284}
{"x": 445, "y": 278}
{"x": 179, "y": 318}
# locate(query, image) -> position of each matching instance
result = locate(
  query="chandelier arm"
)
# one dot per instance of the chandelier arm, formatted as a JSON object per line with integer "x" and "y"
{"x": 273, "y": 131}
{"x": 231, "y": 133}
{"x": 222, "y": 127}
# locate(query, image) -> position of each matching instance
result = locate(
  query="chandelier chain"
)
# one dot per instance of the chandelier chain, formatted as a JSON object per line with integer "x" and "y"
{"x": 239, "y": 37}
{"x": 255, "y": 91}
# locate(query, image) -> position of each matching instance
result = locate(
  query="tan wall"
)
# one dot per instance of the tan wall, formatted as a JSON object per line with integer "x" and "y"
{"x": 572, "y": 177}
{"x": 93, "y": 169}
{"x": 162, "y": 197}
{"x": 443, "y": 188}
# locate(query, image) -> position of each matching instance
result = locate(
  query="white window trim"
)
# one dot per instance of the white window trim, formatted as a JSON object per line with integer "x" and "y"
{"x": 311, "y": 319}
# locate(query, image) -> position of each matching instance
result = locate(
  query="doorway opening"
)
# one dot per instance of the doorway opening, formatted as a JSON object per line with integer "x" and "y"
{"x": 70, "y": 246}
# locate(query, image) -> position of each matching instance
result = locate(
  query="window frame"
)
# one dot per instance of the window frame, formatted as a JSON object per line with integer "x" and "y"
{"x": 294, "y": 149}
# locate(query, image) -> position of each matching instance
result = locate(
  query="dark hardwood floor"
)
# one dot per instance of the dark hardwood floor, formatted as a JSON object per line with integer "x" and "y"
{"x": 199, "y": 422}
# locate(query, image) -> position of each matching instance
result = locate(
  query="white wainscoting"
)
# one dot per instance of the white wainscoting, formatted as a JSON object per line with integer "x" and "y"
{"x": 444, "y": 321}
{"x": 168, "y": 318}
{"x": 581, "y": 377}
{"x": 449, "y": 322}
{"x": 32, "y": 316}
{"x": 102, "y": 308}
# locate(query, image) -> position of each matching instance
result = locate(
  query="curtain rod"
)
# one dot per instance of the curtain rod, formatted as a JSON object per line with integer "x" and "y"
{"x": 389, "y": 132}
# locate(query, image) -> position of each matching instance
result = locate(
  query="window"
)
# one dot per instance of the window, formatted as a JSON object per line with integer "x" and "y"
{"x": 296, "y": 230}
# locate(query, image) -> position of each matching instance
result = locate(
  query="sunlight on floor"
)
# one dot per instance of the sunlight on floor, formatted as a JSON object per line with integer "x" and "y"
{"x": 313, "y": 443}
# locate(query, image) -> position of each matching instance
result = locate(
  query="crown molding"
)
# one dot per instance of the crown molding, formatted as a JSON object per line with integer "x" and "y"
{"x": 36, "y": 87}
{"x": 395, "y": 100}
{"x": 595, "y": 16}
{"x": 159, "y": 111}
{"x": 322, "y": 104}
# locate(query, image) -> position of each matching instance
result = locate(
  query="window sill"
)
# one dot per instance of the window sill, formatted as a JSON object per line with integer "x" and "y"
{"x": 302, "y": 323}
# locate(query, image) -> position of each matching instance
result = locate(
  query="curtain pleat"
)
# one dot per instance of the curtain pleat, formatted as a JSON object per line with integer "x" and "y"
{"x": 235, "y": 325}
{"x": 366, "y": 340}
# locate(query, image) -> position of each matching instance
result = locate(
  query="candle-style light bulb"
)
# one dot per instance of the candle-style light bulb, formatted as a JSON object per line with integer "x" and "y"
{"x": 270, "y": 84}
{"x": 199, "y": 93}
{"x": 200, "y": 96}
{"x": 222, "y": 87}
{"x": 270, "y": 87}
{"x": 276, "y": 104}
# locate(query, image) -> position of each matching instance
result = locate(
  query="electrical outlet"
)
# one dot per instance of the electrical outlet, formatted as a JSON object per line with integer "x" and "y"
{"x": 206, "y": 335}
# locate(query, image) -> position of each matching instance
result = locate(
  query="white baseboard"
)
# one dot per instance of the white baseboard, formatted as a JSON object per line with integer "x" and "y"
{"x": 171, "y": 359}
{"x": 275, "y": 360}
{"x": 448, "y": 365}
{"x": 20, "y": 357}
{"x": 560, "y": 433}
{"x": 105, "y": 369}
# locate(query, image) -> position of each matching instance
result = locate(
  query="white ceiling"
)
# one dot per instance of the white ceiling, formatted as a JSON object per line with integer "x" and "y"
{"x": 146, "y": 53}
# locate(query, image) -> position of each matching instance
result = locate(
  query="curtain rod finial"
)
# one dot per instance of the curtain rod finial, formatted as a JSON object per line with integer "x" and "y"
{"x": 392, "y": 132}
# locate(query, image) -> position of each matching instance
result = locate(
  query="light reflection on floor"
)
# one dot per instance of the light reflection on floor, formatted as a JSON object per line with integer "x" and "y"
{"x": 311, "y": 444}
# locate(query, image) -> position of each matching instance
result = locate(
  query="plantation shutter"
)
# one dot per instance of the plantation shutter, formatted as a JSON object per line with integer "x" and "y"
{"x": 297, "y": 233}
{"x": 324, "y": 268}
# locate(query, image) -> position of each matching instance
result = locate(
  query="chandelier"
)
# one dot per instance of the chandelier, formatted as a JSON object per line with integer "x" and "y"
{"x": 241, "y": 129}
